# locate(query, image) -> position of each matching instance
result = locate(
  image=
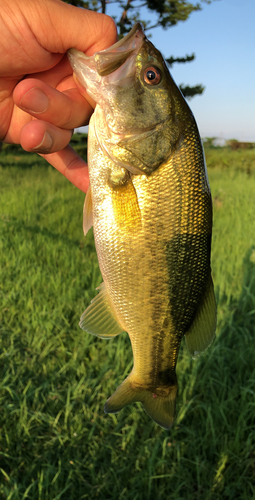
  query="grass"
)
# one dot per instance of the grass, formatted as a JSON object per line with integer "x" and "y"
{"x": 55, "y": 440}
{"x": 241, "y": 160}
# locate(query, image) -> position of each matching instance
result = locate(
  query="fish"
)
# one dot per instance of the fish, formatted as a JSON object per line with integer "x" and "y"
{"x": 150, "y": 205}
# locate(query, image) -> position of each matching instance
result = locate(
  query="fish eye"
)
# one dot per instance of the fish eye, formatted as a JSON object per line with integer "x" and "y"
{"x": 152, "y": 75}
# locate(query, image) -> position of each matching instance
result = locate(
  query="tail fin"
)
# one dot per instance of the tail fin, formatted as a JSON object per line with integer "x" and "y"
{"x": 159, "y": 408}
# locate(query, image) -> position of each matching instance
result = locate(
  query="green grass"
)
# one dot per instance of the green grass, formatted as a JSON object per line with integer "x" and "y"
{"x": 242, "y": 160}
{"x": 55, "y": 440}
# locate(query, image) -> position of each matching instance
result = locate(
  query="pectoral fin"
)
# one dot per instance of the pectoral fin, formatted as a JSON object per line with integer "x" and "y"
{"x": 202, "y": 331}
{"x": 99, "y": 318}
{"x": 87, "y": 212}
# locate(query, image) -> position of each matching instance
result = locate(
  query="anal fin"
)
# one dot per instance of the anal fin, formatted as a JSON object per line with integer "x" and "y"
{"x": 202, "y": 331}
{"x": 99, "y": 318}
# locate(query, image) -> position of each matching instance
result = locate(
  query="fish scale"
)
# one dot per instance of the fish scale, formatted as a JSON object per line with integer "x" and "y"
{"x": 150, "y": 206}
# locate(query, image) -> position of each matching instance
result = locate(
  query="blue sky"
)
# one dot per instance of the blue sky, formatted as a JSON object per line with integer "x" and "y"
{"x": 222, "y": 36}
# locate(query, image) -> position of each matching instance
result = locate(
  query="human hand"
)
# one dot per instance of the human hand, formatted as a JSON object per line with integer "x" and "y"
{"x": 39, "y": 111}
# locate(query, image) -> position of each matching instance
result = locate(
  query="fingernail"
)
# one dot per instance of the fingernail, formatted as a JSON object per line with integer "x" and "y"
{"x": 46, "y": 143}
{"x": 34, "y": 101}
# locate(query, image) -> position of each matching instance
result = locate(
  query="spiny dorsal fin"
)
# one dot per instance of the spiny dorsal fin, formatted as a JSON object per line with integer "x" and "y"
{"x": 99, "y": 318}
{"x": 87, "y": 212}
{"x": 202, "y": 331}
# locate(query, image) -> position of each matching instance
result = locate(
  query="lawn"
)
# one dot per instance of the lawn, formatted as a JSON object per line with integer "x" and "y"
{"x": 55, "y": 440}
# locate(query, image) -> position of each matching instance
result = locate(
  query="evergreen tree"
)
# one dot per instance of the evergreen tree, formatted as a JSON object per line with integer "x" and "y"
{"x": 167, "y": 13}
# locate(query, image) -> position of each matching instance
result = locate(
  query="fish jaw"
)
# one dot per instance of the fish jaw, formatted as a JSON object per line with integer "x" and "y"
{"x": 137, "y": 125}
{"x": 107, "y": 66}
{"x": 114, "y": 76}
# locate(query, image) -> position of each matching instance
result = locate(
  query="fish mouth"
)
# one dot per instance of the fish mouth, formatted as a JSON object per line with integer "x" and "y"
{"x": 115, "y": 65}
{"x": 109, "y": 60}
{"x": 102, "y": 75}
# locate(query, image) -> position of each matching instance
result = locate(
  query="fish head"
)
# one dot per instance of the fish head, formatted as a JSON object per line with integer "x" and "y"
{"x": 140, "y": 112}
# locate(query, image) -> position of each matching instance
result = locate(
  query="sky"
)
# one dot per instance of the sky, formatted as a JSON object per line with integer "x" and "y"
{"x": 222, "y": 36}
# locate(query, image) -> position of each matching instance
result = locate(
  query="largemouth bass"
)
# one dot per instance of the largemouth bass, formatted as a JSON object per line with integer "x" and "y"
{"x": 150, "y": 206}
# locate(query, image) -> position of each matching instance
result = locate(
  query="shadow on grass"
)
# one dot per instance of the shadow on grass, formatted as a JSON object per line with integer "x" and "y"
{"x": 22, "y": 160}
{"x": 222, "y": 401}
{"x": 23, "y": 227}
{"x": 237, "y": 333}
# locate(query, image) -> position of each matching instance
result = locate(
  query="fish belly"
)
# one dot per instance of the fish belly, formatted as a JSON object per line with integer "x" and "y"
{"x": 152, "y": 236}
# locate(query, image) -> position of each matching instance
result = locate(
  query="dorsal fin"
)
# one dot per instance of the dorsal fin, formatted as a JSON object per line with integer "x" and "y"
{"x": 202, "y": 331}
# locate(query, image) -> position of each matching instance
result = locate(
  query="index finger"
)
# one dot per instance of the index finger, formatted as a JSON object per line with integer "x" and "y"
{"x": 71, "y": 165}
{"x": 85, "y": 30}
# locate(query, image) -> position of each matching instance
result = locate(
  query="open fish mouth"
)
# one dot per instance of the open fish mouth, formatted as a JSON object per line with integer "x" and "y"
{"x": 114, "y": 79}
{"x": 115, "y": 65}
{"x": 109, "y": 60}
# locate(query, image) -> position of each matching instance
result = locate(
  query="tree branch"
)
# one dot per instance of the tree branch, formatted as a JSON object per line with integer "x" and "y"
{"x": 171, "y": 60}
{"x": 153, "y": 26}
{"x": 103, "y": 3}
{"x": 190, "y": 92}
{"x": 123, "y": 18}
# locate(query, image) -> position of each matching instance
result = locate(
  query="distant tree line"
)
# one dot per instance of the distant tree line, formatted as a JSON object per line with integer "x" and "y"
{"x": 234, "y": 144}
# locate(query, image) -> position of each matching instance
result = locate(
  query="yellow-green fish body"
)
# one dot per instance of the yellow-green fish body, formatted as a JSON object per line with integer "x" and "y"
{"x": 152, "y": 219}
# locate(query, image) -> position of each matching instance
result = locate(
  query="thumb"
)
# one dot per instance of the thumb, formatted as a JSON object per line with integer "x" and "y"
{"x": 63, "y": 26}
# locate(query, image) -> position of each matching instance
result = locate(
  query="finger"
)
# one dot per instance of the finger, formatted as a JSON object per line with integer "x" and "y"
{"x": 66, "y": 109}
{"x": 43, "y": 137}
{"x": 55, "y": 75}
{"x": 71, "y": 165}
{"x": 82, "y": 29}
